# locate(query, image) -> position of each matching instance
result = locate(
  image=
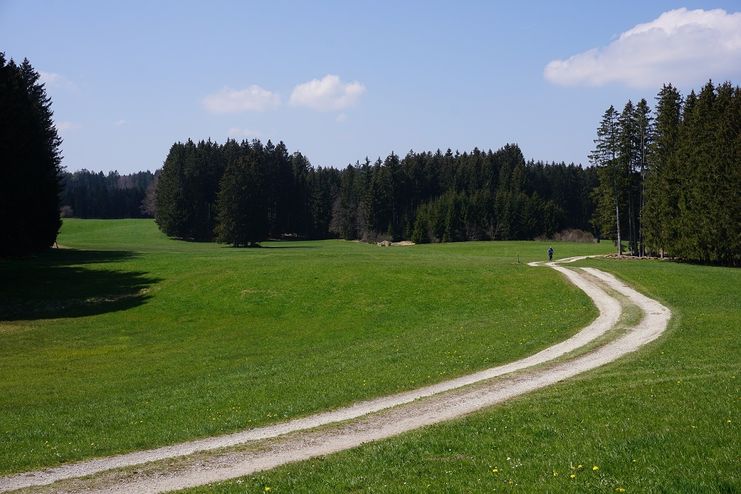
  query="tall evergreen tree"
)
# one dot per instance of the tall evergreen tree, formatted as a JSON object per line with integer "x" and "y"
{"x": 171, "y": 198}
{"x": 644, "y": 134}
{"x": 725, "y": 174}
{"x": 627, "y": 153}
{"x": 30, "y": 162}
{"x": 611, "y": 189}
{"x": 662, "y": 177}
{"x": 242, "y": 204}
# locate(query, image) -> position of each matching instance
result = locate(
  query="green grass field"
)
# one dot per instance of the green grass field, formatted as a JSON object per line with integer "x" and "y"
{"x": 126, "y": 340}
{"x": 664, "y": 420}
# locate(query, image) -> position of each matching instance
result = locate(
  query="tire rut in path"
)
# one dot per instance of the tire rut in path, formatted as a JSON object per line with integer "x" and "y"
{"x": 399, "y": 413}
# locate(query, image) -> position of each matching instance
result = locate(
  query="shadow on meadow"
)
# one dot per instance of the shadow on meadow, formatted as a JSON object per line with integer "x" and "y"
{"x": 62, "y": 283}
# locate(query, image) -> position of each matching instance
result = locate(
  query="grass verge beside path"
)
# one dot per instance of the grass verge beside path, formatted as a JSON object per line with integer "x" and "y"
{"x": 664, "y": 420}
{"x": 127, "y": 340}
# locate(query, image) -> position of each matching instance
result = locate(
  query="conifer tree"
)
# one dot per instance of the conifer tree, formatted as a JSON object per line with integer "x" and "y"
{"x": 611, "y": 189}
{"x": 241, "y": 205}
{"x": 30, "y": 162}
{"x": 171, "y": 197}
{"x": 644, "y": 133}
{"x": 662, "y": 178}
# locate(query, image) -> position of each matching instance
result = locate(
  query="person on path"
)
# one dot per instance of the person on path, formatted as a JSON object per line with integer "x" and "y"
{"x": 550, "y": 254}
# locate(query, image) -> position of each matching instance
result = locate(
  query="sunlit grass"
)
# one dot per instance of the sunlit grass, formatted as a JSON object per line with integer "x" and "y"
{"x": 126, "y": 339}
{"x": 663, "y": 420}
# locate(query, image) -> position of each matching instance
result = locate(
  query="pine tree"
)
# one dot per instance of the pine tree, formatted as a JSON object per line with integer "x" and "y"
{"x": 726, "y": 175}
{"x": 171, "y": 196}
{"x": 30, "y": 162}
{"x": 421, "y": 232}
{"x": 611, "y": 189}
{"x": 644, "y": 133}
{"x": 628, "y": 136}
{"x": 242, "y": 207}
{"x": 662, "y": 177}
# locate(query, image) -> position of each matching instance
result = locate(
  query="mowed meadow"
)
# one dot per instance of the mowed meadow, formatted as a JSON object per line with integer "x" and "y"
{"x": 663, "y": 420}
{"x": 123, "y": 339}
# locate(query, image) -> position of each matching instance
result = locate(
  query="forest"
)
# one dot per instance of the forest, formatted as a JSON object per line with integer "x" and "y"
{"x": 670, "y": 181}
{"x": 87, "y": 194}
{"x": 664, "y": 182}
{"x": 244, "y": 192}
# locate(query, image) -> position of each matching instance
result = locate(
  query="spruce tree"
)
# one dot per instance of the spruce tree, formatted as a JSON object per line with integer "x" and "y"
{"x": 171, "y": 197}
{"x": 611, "y": 189}
{"x": 242, "y": 207}
{"x": 30, "y": 162}
{"x": 644, "y": 133}
{"x": 662, "y": 177}
{"x": 726, "y": 174}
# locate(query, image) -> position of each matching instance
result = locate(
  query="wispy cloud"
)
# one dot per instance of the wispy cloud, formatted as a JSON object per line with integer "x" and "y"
{"x": 680, "y": 46}
{"x": 327, "y": 94}
{"x": 52, "y": 79}
{"x": 244, "y": 133}
{"x": 252, "y": 98}
{"x": 120, "y": 123}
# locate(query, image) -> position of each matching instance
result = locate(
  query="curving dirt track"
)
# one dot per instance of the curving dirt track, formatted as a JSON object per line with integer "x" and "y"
{"x": 228, "y": 456}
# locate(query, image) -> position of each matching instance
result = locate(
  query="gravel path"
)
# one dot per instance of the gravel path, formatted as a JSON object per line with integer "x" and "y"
{"x": 369, "y": 420}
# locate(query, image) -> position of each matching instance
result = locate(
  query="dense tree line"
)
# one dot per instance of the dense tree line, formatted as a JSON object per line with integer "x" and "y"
{"x": 244, "y": 192}
{"x": 669, "y": 181}
{"x": 89, "y": 194}
{"x": 440, "y": 197}
{"x": 241, "y": 193}
{"x": 30, "y": 162}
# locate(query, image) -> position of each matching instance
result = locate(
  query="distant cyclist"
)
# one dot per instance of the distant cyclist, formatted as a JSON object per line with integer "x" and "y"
{"x": 550, "y": 254}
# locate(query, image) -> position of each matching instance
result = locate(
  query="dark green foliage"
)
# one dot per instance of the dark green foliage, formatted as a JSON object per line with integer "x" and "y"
{"x": 30, "y": 162}
{"x": 187, "y": 188}
{"x": 88, "y": 194}
{"x": 610, "y": 192}
{"x": 421, "y": 232}
{"x": 430, "y": 197}
{"x": 661, "y": 177}
{"x": 677, "y": 175}
{"x": 243, "y": 204}
{"x": 469, "y": 196}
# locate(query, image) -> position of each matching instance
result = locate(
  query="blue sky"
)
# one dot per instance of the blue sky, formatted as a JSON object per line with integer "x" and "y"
{"x": 128, "y": 79}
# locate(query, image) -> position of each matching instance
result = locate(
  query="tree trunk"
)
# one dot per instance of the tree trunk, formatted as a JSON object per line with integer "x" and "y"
{"x": 631, "y": 222}
{"x": 617, "y": 222}
{"x": 641, "y": 247}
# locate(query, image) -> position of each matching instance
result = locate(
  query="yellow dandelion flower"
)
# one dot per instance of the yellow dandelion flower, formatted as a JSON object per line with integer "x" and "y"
{"x": 494, "y": 470}
{"x": 267, "y": 489}
{"x": 555, "y": 473}
{"x": 619, "y": 489}
{"x": 573, "y": 476}
{"x": 595, "y": 468}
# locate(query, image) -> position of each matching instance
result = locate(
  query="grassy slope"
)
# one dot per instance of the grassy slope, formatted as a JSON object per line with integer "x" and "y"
{"x": 664, "y": 420}
{"x": 131, "y": 340}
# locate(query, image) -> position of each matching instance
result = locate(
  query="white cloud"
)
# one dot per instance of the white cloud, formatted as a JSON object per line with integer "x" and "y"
{"x": 327, "y": 94}
{"x": 66, "y": 126}
{"x": 252, "y": 98}
{"x": 681, "y": 46}
{"x": 244, "y": 133}
{"x": 120, "y": 123}
{"x": 52, "y": 79}
{"x": 342, "y": 117}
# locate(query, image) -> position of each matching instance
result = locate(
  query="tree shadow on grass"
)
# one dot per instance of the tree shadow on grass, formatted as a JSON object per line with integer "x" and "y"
{"x": 64, "y": 283}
